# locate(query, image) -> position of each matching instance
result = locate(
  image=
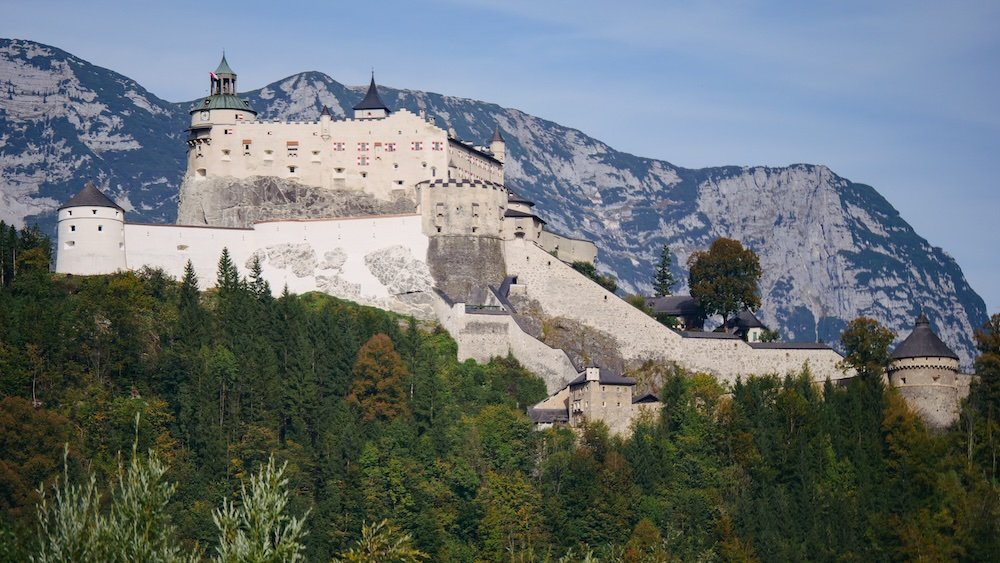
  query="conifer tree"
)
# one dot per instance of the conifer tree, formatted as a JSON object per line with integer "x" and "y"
{"x": 379, "y": 376}
{"x": 663, "y": 278}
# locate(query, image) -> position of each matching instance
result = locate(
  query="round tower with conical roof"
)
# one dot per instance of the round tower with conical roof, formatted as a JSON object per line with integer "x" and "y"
{"x": 498, "y": 146}
{"x": 91, "y": 234}
{"x": 925, "y": 370}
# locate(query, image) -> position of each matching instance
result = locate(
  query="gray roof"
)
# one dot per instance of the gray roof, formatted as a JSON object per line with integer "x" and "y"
{"x": 515, "y": 198}
{"x": 789, "y": 346}
{"x": 709, "y": 335}
{"x": 675, "y": 305}
{"x": 372, "y": 100}
{"x": 521, "y": 214}
{"x": 542, "y": 416}
{"x": 90, "y": 196}
{"x": 605, "y": 378}
{"x": 744, "y": 320}
{"x": 326, "y": 112}
{"x": 646, "y": 398}
{"x": 497, "y": 136}
{"x": 923, "y": 343}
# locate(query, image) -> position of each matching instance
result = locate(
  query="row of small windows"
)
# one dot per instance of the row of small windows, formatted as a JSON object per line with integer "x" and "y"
{"x": 92, "y": 211}
{"x": 72, "y": 228}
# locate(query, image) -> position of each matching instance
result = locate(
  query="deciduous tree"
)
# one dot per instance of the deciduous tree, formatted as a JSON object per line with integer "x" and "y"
{"x": 724, "y": 278}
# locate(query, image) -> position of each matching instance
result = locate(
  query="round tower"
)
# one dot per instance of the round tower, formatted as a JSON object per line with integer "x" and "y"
{"x": 925, "y": 370}
{"x": 214, "y": 117}
{"x": 91, "y": 234}
{"x": 498, "y": 146}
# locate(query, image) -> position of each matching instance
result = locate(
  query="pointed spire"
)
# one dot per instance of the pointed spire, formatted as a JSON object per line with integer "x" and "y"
{"x": 372, "y": 100}
{"x": 224, "y": 66}
{"x": 497, "y": 137}
{"x": 325, "y": 112}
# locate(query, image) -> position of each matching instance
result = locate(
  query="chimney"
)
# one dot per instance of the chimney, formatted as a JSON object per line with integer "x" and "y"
{"x": 593, "y": 374}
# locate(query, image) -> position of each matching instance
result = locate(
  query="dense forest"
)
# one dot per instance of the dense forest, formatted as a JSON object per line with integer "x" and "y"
{"x": 368, "y": 425}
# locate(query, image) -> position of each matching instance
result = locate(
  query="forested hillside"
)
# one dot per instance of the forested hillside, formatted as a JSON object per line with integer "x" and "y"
{"x": 376, "y": 420}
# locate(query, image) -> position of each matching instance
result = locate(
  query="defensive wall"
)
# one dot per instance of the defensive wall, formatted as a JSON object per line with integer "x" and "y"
{"x": 376, "y": 261}
{"x": 564, "y": 292}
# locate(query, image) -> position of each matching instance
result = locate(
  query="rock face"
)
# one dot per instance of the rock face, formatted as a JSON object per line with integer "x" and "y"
{"x": 461, "y": 265}
{"x": 231, "y": 202}
{"x": 832, "y": 249}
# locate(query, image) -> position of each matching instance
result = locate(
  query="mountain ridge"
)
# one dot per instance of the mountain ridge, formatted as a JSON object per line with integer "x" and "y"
{"x": 831, "y": 248}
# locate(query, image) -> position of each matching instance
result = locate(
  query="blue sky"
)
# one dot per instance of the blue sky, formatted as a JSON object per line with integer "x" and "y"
{"x": 899, "y": 95}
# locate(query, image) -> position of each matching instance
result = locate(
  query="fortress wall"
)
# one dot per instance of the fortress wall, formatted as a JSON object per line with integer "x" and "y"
{"x": 568, "y": 249}
{"x": 329, "y": 155}
{"x": 564, "y": 292}
{"x": 937, "y": 405}
{"x": 461, "y": 264}
{"x": 377, "y": 261}
{"x": 481, "y": 337}
{"x": 170, "y": 247}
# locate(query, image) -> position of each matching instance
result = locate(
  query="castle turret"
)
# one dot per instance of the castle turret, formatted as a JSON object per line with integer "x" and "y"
{"x": 222, "y": 105}
{"x": 925, "y": 370}
{"x": 372, "y": 106}
{"x": 91, "y": 234}
{"x": 324, "y": 123}
{"x": 213, "y": 117}
{"x": 498, "y": 146}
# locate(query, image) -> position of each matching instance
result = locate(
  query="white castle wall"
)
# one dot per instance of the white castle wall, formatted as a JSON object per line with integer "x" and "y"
{"x": 171, "y": 246}
{"x": 564, "y": 292}
{"x": 568, "y": 249}
{"x": 383, "y": 157}
{"x": 373, "y": 260}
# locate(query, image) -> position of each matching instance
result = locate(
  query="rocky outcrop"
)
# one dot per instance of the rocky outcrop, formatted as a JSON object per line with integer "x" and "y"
{"x": 231, "y": 202}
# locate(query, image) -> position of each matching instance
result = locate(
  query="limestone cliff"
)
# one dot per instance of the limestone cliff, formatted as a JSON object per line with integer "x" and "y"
{"x": 230, "y": 202}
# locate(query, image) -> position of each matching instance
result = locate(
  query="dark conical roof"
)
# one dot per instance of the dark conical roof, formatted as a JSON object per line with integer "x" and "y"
{"x": 372, "y": 100}
{"x": 497, "y": 136}
{"x": 224, "y": 67}
{"x": 90, "y": 196}
{"x": 326, "y": 112}
{"x": 922, "y": 343}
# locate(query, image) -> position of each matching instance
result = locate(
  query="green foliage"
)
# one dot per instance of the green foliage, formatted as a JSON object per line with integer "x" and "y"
{"x": 639, "y": 302}
{"x": 663, "y": 277}
{"x": 867, "y": 345}
{"x": 228, "y": 381}
{"x": 258, "y": 528}
{"x": 723, "y": 279}
{"x": 770, "y": 336}
{"x": 383, "y": 542}
{"x": 586, "y": 268}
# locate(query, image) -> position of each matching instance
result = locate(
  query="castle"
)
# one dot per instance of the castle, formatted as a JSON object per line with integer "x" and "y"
{"x": 388, "y": 209}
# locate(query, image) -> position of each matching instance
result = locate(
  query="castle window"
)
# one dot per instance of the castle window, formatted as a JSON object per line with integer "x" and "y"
{"x": 293, "y": 148}
{"x": 338, "y": 146}
{"x": 94, "y": 211}
{"x": 362, "y": 160}
{"x": 100, "y": 228}
{"x": 416, "y": 145}
{"x": 70, "y": 243}
{"x": 72, "y": 227}
{"x": 437, "y": 145}
{"x": 395, "y": 165}
{"x": 70, "y": 212}
{"x": 291, "y": 169}
{"x": 364, "y": 174}
{"x": 362, "y": 147}
{"x": 228, "y": 132}
{"x": 390, "y": 147}
{"x": 473, "y": 229}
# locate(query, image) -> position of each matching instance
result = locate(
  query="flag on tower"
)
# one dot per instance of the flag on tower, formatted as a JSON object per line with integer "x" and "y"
{"x": 212, "y": 74}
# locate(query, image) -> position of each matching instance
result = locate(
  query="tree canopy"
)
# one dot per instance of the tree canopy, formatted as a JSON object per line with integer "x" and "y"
{"x": 724, "y": 278}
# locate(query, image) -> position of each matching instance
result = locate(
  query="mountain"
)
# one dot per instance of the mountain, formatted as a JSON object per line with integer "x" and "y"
{"x": 831, "y": 249}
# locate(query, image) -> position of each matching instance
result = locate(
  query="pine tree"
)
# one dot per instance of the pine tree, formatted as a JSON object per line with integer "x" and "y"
{"x": 663, "y": 278}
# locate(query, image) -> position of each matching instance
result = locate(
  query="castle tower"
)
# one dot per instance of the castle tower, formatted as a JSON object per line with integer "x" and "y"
{"x": 91, "y": 234}
{"x": 324, "y": 123}
{"x": 925, "y": 371}
{"x": 372, "y": 106}
{"x": 498, "y": 146}
{"x": 209, "y": 117}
